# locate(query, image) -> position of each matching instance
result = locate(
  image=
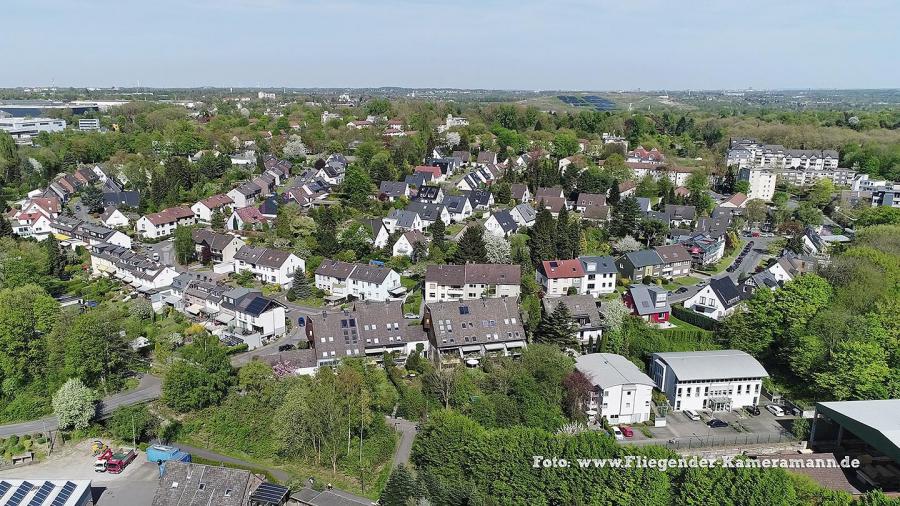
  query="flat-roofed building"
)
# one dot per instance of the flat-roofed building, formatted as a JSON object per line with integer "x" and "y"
{"x": 621, "y": 392}
{"x": 719, "y": 380}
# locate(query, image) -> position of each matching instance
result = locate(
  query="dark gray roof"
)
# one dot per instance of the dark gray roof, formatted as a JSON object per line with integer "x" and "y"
{"x": 580, "y": 306}
{"x": 215, "y": 240}
{"x": 598, "y": 265}
{"x": 476, "y": 322}
{"x": 455, "y": 203}
{"x": 393, "y": 188}
{"x": 643, "y": 258}
{"x": 127, "y": 198}
{"x": 649, "y": 299}
{"x": 405, "y": 219}
{"x": 528, "y": 213}
{"x": 608, "y": 370}
{"x": 681, "y": 212}
{"x": 188, "y": 484}
{"x": 673, "y": 253}
{"x": 727, "y": 292}
{"x": 506, "y": 221}
{"x": 267, "y": 257}
{"x": 487, "y": 274}
{"x": 478, "y": 197}
{"x": 426, "y": 211}
{"x": 334, "y": 269}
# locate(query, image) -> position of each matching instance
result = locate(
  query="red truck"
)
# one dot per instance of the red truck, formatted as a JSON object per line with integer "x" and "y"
{"x": 116, "y": 462}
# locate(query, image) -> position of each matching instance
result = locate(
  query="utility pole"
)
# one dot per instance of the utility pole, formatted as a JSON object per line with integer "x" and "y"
{"x": 133, "y": 434}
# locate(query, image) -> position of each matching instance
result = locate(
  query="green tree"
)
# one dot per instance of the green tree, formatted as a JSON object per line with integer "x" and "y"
{"x": 184, "y": 245}
{"x": 564, "y": 144}
{"x": 857, "y": 370}
{"x": 503, "y": 193}
{"x": 27, "y": 314}
{"x": 6, "y": 229}
{"x": 326, "y": 225}
{"x": 742, "y": 187}
{"x": 625, "y": 217}
{"x": 300, "y": 288}
{"x": 357, "y": 186}
{"x": 92, "y": 198}
{"x": 256, "y": 377}
{"x": 808, "y": 214}
{"x": 217, "y": 220}
{"x": 56, "y": 259}
{"x": 381, "y": 167}
{"x": 471, "y": 247}
{"x": 558, "y": 328}
{"x": 73, "y": 405}
{"x": 870, "y": 216}
{"x": 821, "y": 193}
{"x": 129, "y": 423}
{"x": 646, "y": 187}
{"x": 9, "y": 159}
{"x": 401, "y": 488}
{"x": 757, "y": 210}
{"x": 201, "y": 378}
{"x": 653, "y": 231}
{"x": 438, "y": 229}
{"x": 562, "y": 237}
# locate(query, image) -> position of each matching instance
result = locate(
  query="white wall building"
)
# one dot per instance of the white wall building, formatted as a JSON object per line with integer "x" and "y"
{"x": 364, "y": 282}
{"x": 621, "y": 393}
{"x": 471, "y": 281}
{"x": 719, "y": 380}
{"x": 762, "y": 182}
{"x": 268, "y": 265}
{"x": 164, "y": 223}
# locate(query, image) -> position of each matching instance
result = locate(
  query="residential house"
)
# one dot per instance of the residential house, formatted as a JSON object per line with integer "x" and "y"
{"x": 429, "y": 194}
{"x": 586, "y": 200}
{"x": 644, "y": 204}
{"x": 642, "y": 155}
{"x": 360, "y": 124}
{"x": 501, "y": 224}
{"x": 599, "y": 274}
{"x": 33, "y": 224}
{"x": 245, "y": 194}
{"x": 406, "y": 243}
{"x": 597, "y": 213}
{"x": 462, "y": 156}
{"x": 132, "y": 268}
{"x": 715, "y": 226}
{"x": 585, "y": 315}
{"x": 164, "y": 223}
{"x": 458, "y": 206}
{"x": 676, "y": 261}
{"x": 486, "y": 158}
{"x": 738, "y": 200}
{"x": 555, "y": 192}
{"x": 636, "y": 265}
{"x": 470, "y": 330}
{"x": 620, "y": 392}
{"x": 716, "y": 300}
{"x": 627, "y": 189}
{"x": 122, "y": 198}
{"x": 480, "y": 199}
{"x": 552, "y": 204}
{"x": 719, "y": 380}
{"x": 524, "y": 215}
{"x": 763, "y": 279}
{"x": 379, "y": 232}
{"x": 418, "y": 179}
{"x": 558, "y": 277}
{"x": 257, "y": 318}
{"x": 214, "y": 247}
{"x": 268, "y": 265}
{"x": 360, "y": 281}
{"x": 401, "y": 219}
{"x": 368, "y": 330}
{"x": 204, "y": 209}
{"x": 73, "y": 232}
{"x": 246, "y": 218}
{"x": 820, "y": 245}
{"x": 680, "y": 216}
{"x": 113, "y": 218}
{"x": 266, "y": 183}
{"x": 704, "y": 249}
{"x": 433, "y": 172}
{"x": 471, "y": 281}
{"x": 789, "y": 266}
{"x": 650, "y": 302}
{"x": 393, "y": 190}
{"x": 520, "y": 192}
{"x": 429, "y": 213}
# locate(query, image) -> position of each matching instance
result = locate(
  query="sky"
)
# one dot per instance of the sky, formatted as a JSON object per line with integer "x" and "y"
{"x": 497, "y": 44}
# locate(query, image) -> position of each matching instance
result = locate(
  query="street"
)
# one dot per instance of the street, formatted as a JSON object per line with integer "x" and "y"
{"x": 407, "y": 430}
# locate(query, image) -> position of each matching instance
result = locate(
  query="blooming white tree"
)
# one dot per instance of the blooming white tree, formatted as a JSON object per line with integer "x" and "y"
{"x": 294, "y": 148}
{"x": 614, "y": 312}
{"x": 497, "y": 249}
{"x": 73, "y": 405}
{"x": 627, "y": 244}
{"x": 453, "y": 138}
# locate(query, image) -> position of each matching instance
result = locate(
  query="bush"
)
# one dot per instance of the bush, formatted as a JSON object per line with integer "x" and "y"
{"x": 130, "y": 422}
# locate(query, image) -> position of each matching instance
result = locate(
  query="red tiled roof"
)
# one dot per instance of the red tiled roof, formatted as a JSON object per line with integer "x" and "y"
{"x": 251, "y": 215}
{"x": 170, "y": 215}
{"x": 556, "y": 269}
{"x": 435, "y": 171}
{"x": 217, "y": 201}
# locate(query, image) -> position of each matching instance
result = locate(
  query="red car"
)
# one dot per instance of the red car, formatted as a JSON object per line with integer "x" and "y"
{"x": 626, "y": 430}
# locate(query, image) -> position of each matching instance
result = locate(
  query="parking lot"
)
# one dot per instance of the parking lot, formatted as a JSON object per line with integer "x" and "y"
{"x": 741, "y": 426}
{"x": 135, "y": 485}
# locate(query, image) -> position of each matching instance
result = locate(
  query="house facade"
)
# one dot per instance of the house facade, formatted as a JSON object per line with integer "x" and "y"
{"x": 268, "y": 265}
{"x": 462, "y": 331}
{"x": 720, "y": 380}
{"x": 360, "y": 281}
{"x": 621, "y": 393}
{"x": 471, "y": 281}
{"x": 164, "y": 223}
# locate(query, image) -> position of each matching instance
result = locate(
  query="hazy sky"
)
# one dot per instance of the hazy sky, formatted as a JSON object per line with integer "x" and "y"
{"x": 510, "y": 44}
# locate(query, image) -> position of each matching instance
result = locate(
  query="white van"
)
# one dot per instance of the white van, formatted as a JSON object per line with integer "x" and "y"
{"x": 692, "y": 415}
{"x": 775, "y": 410}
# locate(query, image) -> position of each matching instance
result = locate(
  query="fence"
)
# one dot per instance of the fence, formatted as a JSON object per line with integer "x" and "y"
{"x": 694, "y": 318}
{"x": 700, "y": 442}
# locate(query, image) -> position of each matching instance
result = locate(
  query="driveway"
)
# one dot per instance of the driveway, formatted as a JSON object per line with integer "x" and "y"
{"x": 407, "y": 431}
{"x": 758, "y": 252}
{"x": 165, "y": 249}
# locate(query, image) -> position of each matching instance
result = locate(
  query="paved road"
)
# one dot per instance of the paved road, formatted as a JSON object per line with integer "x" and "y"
{"x": 218, "y": 457}
{"x": 407, "y": 430}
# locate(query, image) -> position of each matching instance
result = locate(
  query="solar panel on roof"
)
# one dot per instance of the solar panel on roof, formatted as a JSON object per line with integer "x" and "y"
{"x": 42, "y": 494}
{"x": 4, "y": 488}
{"x": 20, "y": 494}
{"x": 64, "y": 494}
{"x": 269, "y": 493}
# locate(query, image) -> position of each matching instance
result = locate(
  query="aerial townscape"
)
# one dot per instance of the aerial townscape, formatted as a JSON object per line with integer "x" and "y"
{"x": 346, "y": 296}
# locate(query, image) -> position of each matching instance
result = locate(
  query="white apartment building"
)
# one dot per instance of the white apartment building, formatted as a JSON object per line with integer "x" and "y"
{"x": 752, "y": 153}
{"x": 718, "y": 380}
{"x": 599, "y": 274}
{"x": 23, "y": 129}
{"x": 762, "y": 182}
{"x": 621, "y": 392}
{"x": 129, "y": 267}
{"x": 164, "y": 223}
{"x": 89, "y": 125}
{"x": 471, "y": 281}
{"x": 363, "y": 282}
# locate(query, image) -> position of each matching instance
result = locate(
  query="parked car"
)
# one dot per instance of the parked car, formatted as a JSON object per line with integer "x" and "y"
{"x": 691, "y": 415}
{"x": 410, "y": 316}
{"x": 626, "y": 430}
{"x": 775, "y": 409}
{"x": 753, "y": 410}
{"x": 681, "y": 290}
{"x": 286, "y": 347}
{"x": 301, "y": 321}
{"x": 715, "y": 423}
{"x": 617, "y": 433}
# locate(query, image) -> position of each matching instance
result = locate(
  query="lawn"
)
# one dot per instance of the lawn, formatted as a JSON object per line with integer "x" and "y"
{"x": 455, "y": 228}
{"x": 412, "y": 303}
{"x": 681, "y": 324}
{"x": 679, "y": 282}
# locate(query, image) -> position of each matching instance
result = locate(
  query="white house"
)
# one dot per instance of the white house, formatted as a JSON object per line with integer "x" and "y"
{"x": 716, "y": 300}
{"x": 32, "y": 224}
{"x": 557, "y": 277}
{"x": 471, "y": 281}
{"x": 585, "y": 315}
{"x": 245, "y": 194}
{"x": 761, "y": 181}
{"x": 719, "y": 380}
{"x": 256, "y": 317}
{"x": 406, "y": 243}
{"x": 401, "y": 219}
{"x": 268, "y": 265}
{"x": 364, "y": 282}
{"x": 218, "y": 248}
{"x": 500, "y": 224}
{"x": 599, "y": 274}
{"x": 459, "y": 207}
{"x": 203, "y": 210}
{"x": 524, "y": 215}
{"x": 132, "y": 268}
{"x": 113, "y": 218}
{"x": 621, "y": 393}
{"x": 164, "y": 223}
{"x": 76, "y": 233}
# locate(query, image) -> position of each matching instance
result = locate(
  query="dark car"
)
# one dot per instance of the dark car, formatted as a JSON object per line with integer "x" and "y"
{"x": 681, "y": 290}
{"x": 301, "y": 321}
{"x": 715, "y": 423}
{"x": 287, "y": 347}
{"x": 753, "y": 410}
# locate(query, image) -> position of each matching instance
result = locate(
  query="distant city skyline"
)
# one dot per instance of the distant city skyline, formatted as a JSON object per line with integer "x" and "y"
{"x": 601, "y": 45}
